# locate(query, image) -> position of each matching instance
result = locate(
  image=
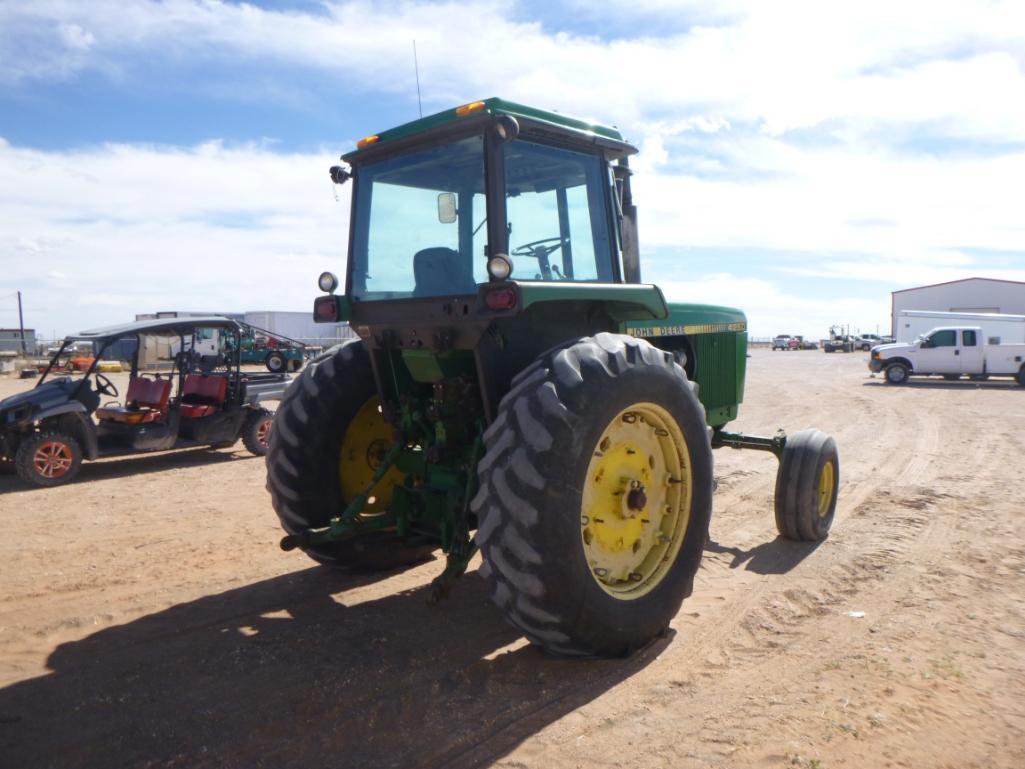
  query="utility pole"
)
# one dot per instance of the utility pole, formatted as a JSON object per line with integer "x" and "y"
{"x": 21, "y": 325}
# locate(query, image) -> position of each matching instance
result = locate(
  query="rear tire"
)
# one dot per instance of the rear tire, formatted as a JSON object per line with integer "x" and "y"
{"x": 275, "y": 362}
{"x": 605, "y": 402}
{"x": 303, "y": 467}
{"x": 807, "y": 483}
{"x": 256, "y": 431}
{"x": 48, "y": 458}
{"x": 897, "y": 373}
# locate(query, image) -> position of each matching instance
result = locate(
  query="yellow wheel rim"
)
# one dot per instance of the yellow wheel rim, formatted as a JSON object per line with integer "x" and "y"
{"x": 636, "y": 501}
{"x": 367, "y": 439}
{"x": 827, "y": 482}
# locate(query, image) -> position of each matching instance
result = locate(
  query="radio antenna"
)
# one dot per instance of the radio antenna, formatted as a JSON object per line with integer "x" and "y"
{"x": 416, "y": 69}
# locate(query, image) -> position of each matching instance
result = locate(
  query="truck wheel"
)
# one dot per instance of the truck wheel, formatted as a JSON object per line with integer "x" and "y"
{"x": 275, "y": 362}
{"x": 328, "y": 433}
{"x": 256, "y": 431}
{"x": 48, "y": 458}
{"x": 896, "y": 373}
{"x": 597, "y": 561}
{"x": 806, "y": 486}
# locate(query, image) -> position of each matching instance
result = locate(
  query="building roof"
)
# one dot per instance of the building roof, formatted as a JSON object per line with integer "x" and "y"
{"x": 27, "y": 330}
{"x": 961, "y": 280}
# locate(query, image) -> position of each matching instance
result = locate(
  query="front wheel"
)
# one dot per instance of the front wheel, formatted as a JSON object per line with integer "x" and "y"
{"x": 807, "y": 483}
{"x": 48, "y": 458}
{"x": 256, "y": 431}
{"x": 896, "y": 373}
{"x": 595, "y": 496}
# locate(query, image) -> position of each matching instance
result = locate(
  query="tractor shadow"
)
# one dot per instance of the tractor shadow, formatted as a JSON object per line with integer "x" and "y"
{"x": 283, "y": 673}
{"x": 122, "y": 467}
{"x": 776, "y": 557}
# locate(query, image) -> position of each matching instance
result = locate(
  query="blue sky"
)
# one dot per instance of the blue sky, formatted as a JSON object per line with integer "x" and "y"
{"x": 799, "y": 159}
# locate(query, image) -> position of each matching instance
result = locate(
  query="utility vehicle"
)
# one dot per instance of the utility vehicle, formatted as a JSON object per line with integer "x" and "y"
{"x": 950, "y": 351}
{"x": 176, "y": 397}
{"x": 514, "y": 387}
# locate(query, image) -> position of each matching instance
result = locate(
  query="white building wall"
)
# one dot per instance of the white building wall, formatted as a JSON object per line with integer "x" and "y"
{"x": 969, "y": 295}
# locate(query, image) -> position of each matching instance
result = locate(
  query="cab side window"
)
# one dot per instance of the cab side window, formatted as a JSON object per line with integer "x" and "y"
{"x": 947, "y": 338}
{"x": 968, "y": 339}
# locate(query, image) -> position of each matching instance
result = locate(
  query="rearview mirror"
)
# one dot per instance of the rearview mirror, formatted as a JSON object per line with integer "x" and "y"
{"x": 446, "y": 207}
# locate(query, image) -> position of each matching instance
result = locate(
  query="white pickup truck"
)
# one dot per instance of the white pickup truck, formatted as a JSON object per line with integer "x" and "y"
{"x": 950, "y": 351}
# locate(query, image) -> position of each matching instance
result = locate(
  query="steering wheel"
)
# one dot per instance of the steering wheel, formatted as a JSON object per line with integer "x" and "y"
{"x": 540, "y": 249}
{"x": 105, "y": 387}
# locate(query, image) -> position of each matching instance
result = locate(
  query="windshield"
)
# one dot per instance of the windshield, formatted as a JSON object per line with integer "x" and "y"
{"x": 407, "y": 239}
{"x": 556, "y": 213}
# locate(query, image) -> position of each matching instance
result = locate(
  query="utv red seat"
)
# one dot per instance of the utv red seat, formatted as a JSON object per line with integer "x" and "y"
{"x": 145, "y": 401}
{"x": 203, "y": 395}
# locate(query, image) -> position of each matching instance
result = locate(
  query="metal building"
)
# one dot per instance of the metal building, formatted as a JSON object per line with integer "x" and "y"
{"x": 967, "y": 295}
{"x": 10, "y": 340}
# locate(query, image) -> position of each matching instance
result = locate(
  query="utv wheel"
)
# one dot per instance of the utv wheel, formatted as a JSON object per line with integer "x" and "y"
{"x": 595, "y": 496}
{"x": 896, "y": 373}
{"x": 256, "y": 431}
{"x": 327, "y": 439}
{"x": 275, "y": 362}
{"x": 806, "y": 486}
{"x": 48, "y": 458}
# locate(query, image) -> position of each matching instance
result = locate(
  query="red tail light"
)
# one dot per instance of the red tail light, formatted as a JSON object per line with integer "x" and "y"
{"x": 325, "y": 309}
{"x": 503, "y": 298}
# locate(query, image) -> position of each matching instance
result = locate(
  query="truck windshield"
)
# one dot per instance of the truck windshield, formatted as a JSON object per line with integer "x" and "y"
{"x": 405, "y": 240}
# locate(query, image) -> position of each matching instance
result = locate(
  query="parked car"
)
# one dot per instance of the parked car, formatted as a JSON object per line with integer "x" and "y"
{"x": 176, "y": 397}
{"x": 867, "y": 341}
{"x": 951, "y": 352}
{"x": 781, "y": 342}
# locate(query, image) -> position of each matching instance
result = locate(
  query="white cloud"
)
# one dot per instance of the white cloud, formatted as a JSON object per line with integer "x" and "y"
{"x": 96, "y": 235}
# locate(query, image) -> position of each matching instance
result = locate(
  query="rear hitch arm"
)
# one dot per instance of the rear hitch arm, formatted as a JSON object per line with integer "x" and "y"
{"x": 342, "y": 526}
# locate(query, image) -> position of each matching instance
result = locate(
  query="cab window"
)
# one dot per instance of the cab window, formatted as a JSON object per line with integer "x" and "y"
{"x": 946, "y": 338}
{"x": 968, "y": 339}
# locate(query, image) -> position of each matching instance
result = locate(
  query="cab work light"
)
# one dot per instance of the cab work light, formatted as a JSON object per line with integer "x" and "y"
{"x": 470, "y": 108}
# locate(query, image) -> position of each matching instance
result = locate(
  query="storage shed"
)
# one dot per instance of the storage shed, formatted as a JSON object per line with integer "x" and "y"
{"x": 967, "y": 295}
{"x": 10, "y": 340}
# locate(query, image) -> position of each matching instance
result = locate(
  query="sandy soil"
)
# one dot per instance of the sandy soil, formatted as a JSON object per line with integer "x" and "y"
{"x": 148, "y": 619}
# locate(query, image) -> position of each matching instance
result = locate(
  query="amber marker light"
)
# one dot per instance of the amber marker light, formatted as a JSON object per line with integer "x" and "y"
{"x": 367, "y": 141}
{"x": 468, "y": 109}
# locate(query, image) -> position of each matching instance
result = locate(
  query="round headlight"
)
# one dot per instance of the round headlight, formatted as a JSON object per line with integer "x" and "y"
{"x": 499, "y": 267}
{"x": 327, "y": 282}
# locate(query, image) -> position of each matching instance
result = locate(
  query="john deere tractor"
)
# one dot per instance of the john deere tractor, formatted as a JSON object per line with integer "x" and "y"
{"x": 515, "y": 388}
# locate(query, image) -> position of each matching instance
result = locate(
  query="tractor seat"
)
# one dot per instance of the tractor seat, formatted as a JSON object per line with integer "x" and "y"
{"x": 203, "y": 395}
{"x": 439, "y": 272}
{"x": 145, "y": 401}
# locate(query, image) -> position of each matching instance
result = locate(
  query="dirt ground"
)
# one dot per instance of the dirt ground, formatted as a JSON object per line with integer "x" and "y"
{"x": 148, "y": 618}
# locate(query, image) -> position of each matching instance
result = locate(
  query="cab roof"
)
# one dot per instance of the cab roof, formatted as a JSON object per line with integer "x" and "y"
{"x": 595, "y": 133}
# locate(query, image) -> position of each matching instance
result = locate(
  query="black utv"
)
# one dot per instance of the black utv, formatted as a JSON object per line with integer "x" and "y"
{"x": 185, "y": 388}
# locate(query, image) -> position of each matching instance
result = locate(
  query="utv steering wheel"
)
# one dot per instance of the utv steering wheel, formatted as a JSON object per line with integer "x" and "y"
{"x": 105, "y": 387}
{"x": 540, "y": 249}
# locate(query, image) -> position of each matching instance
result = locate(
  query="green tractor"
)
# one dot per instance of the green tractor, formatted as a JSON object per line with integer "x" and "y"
{"x": 515, "y": 388}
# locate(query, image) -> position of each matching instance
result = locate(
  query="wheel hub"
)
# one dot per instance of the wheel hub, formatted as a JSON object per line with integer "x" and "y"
{"x": 52, "y": 459}
{"x": 636, "y": 500}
